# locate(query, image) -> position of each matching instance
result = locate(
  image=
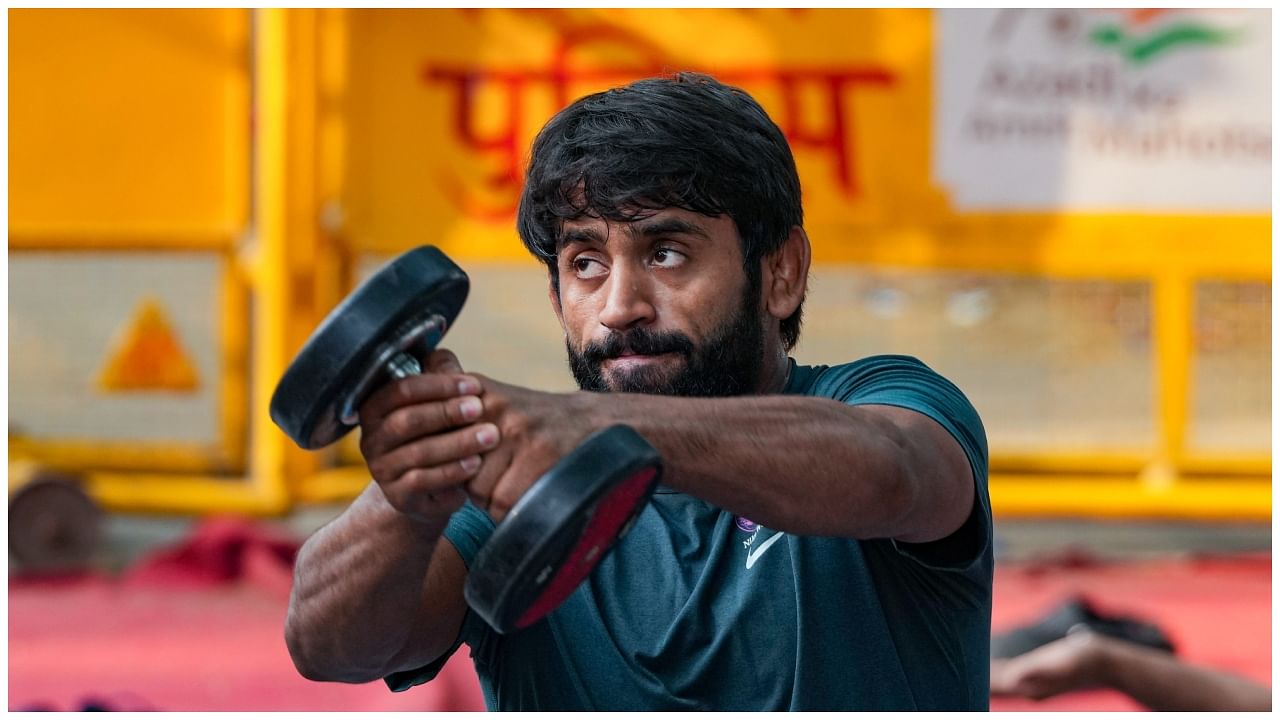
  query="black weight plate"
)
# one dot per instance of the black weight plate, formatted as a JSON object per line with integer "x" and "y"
{"x": 53, "y": 525}
{"x": 306, "y": 401}
{"x": 562, "y": 526}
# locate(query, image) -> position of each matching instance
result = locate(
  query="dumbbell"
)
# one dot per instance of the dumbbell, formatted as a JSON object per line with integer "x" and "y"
{"x": 563, "y": 525}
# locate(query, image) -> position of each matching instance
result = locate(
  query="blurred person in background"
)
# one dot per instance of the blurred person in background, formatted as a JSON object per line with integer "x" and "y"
{"x": 1155, "y": 678}
{"x": 822, "y": 538}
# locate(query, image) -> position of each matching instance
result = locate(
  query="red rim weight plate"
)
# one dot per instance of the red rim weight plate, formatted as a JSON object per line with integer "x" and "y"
{"x": 562, "y": 527}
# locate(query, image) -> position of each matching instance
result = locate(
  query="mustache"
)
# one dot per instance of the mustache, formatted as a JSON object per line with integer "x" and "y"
{"x": 639, "y": 341}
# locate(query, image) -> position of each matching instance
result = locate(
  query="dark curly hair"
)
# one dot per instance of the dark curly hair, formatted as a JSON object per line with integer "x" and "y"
{"x": 686, "y": 141}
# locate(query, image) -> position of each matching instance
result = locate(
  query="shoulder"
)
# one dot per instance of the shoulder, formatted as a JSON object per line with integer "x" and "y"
{"x": 873, "y": 374}
{"x": 901, "y": 381}
{"x": 905, "y": 382}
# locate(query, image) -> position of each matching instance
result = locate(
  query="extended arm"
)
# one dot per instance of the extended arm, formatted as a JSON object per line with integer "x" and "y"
{"x": 1162, "y": 682}
{"x": 1154, "y": 678}
{"x": 798, "y": 464}
{"x": 810, "y": 465}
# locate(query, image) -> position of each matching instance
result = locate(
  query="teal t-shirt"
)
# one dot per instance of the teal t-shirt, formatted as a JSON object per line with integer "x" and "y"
{"x": 697, "y": 609}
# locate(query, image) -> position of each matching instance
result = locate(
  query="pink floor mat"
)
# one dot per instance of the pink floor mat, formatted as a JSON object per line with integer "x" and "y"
{"x": 199, "y": 627}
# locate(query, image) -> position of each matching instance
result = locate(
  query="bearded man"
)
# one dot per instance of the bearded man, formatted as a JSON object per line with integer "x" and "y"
{"x": 822, "y": 536}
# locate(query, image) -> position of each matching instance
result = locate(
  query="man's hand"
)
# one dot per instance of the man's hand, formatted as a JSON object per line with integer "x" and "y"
{"x": 537, "y": 430}
{"x": 422, "y": 438}
{"x": 1065, "y": 665}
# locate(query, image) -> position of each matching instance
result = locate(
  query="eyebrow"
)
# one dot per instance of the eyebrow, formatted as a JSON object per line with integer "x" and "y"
{"x": 643, "y": 228}
{"x": 579, "y": 236}
{"x": 667, "y": 226}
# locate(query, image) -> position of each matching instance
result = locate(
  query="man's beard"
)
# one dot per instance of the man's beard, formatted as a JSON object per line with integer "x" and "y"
{"x": 730, "y": 362}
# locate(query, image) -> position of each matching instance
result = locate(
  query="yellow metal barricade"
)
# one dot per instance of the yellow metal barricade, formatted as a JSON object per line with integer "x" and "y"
{"x": 131, "y": 183}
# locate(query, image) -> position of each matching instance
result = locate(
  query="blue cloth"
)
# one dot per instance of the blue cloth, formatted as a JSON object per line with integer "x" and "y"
{"x": 697, "y": 609}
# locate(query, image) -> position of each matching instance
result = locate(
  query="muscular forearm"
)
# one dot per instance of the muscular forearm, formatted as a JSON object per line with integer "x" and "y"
{"x": 1162, "y": 682}
{"x": 354, "y": 614}
{"x": 802, "y": 465}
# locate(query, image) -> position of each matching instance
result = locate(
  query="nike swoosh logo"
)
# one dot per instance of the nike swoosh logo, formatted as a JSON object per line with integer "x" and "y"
{"x": 754, "y": 553}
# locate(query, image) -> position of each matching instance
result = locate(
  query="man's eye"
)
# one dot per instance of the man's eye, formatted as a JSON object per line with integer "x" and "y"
{"x": 587, "y": 267}
{"x": 666, "y": 257}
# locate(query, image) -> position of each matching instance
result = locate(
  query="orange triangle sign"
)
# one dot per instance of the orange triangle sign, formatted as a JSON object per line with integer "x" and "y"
{"x": 149, "y": 357}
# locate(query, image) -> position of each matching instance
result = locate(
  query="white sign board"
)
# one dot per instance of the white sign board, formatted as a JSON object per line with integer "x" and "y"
{"x": 1106, "y": 110}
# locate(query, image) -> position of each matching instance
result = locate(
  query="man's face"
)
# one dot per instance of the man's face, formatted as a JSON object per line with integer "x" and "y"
{"x": 659, "y": 305}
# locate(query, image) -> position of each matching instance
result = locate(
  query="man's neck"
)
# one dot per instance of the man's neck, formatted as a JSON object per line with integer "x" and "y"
{"x": 776, "y": 374}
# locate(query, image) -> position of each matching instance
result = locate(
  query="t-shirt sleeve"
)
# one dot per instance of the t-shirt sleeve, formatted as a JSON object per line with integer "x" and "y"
{"x": 906, "y": 382}
{"x": 467, "y": 531}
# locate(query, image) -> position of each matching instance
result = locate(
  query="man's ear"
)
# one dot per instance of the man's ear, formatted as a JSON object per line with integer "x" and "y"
{"x": 785, "y": 275}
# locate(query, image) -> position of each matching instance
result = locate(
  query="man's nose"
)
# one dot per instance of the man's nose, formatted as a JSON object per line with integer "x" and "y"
{"x": 627, "y": 300}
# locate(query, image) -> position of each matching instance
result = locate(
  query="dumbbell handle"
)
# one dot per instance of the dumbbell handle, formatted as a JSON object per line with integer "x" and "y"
{"x": 420, "y": 333}
{"x": 402, "y": 365}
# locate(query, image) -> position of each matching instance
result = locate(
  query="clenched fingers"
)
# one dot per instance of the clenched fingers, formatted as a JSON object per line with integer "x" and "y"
{"x": 440, "y": 460}
{"x": 406, "y": 424}
{"x": 415, "y": 390}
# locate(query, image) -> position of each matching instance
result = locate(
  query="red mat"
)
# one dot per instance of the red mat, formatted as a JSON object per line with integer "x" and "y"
{"x": 1216, "y": 609}
{"x": 199, "y": 628}
{"x": 196, "y": 627}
